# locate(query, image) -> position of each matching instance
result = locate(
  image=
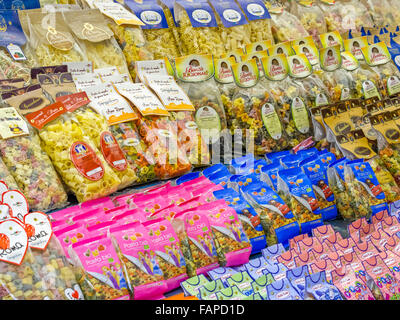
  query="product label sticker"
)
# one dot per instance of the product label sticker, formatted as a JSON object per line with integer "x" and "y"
{"x": 245, "y": 73}
{"x": 300, "y": 115}
{"x": 150, "y": 68}
{"x": 118, "y": 13}
{"x": 310, "y": 50}
{"x": 40, "y": 118}
{"x": 275, "y": 67}
{"x": 12, "y": 124}
{"x": 281, "y": 48}
{"x": 200, "y": 13}
{"x": 79, "y": 68}
{"x": 229, "y": 13}
{"x": 194, "y": 68}
{"x": 271, "y": 121}
{"x": 330, "y": 58}
{"x": 209, "y": 123}
{"x": 349, "y": 62}
{"x": 13, "y": 242}
{"x": 86, "y": 80}
{"x": 223, "y": 71}
{"x": 254, "y": 9}
{"x": 369, "y": 89}
{"x": 299, "y": 66}
{"x": 86, "y": 161}
{"x": 330, "y": 39}
{"x": 303, "y": 41}
{"x": 5, "y": 210}
{"x": 151, "y": 14}
{"x": 17, "y": 202}
{"x": 258, "y": 46}
{"x": 38, "y": 229}
{"x": 112, "y": 152}
{"x": 354, "y": 46}
{"x": 376, "y": 54}
{"x": 257, "y": 56}
{"x": 16, "y": 52}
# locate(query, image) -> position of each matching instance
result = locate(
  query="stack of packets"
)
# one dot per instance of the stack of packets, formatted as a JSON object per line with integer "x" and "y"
{"x": 364, "y": 266}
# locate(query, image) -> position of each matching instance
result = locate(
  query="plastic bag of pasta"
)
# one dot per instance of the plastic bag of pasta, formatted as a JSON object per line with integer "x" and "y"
{"x": 286, "y": 27}
{"x": 182, "y": 114}
{"x": 51, "y": 39}
{"x": 29, "y": 164}
{"x": 157, "y": 130}
{"x": 310, "y": 16}
{"x": 160, "y": 39}
{"x": 290, "y": 98}
{"x": 198, "y": 29}
{"x": 96, "y": 39}
{"x": 367, "y": 81}
{"x": 74, "y": 155}
{"x": 381, "y": 12}
{"x": 15, "y": 58}
{"x": 259, "y": 20}
{"x": 7, "y": 177}
{"x": 195, "y": 76}
{"x": 378, "y": 58}
{"x": 96, "y": 126}
{"x": 255, "y": 110}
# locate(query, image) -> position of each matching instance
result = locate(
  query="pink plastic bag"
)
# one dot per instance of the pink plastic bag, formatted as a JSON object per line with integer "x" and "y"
{"x": 323, "y": 232}
{"x": 379, "y": 239}
{"x": 91, "y": 217}
{"x": 305, "y": 258}
{"x": 70, "y": 235}
{"x": 104, "y": 203}
{"x": 344, "y": 246}
{"x": 333, "y": 239}
{"x": 307, "y": 244}
{"x": 287, "y": 258}
{"x": 390, "y": 225}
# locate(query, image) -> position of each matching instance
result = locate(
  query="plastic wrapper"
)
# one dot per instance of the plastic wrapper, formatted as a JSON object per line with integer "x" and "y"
{"x": 286, "y": 27}
{"x": 255, "y": 111}
{"x": 311, "y": 17}
{"x": 7, "y": 177}
{"x": 316, "y": 92}
{"x": 96, "y": 39}
{"x": 381, "y": 12}
{"x": 54, "y": 44}
{"x": 197, "y": 37}
{"x": 344, "y": 15}
{"x": 88, "y": 179}
{"x": 367, "y": 81}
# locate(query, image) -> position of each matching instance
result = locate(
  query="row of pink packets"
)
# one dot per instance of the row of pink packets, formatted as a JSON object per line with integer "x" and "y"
{"x": 161, "y": 216}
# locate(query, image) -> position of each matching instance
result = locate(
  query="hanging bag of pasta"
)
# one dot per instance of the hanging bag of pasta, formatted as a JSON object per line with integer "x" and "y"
{"x": 29, "y": 165}
{"x": 51, "y": 39}
{"x": 181, "y": 112}
{"x": 74, "y": 155}
{"x": 96, "y": 39}
{"x": 285, "y": 26}
{"x": 380, "y": 11}
{"x": 160, "y": 39}
{"x": 157, "y": 130}
{"x": 197, "y": 28}
{"x": 255, "y": 111}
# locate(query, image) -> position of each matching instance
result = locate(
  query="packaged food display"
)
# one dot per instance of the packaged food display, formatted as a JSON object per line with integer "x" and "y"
{"x": 310, "y": 16}
{"x": 195, "y": 76}
{"x": 157, "y": 131}
{"x": 380, "y": 11}
{"x": 317, "y": 288}
{"x": 89, "y": 177}
{"x": 7, "y": 177}
{"x": 96, "y": 39}
{"x": 286, "y": 27}
{"x": 291, "y": 99}
{"x": 159, "y": 37}
{"x": 197, "y": 35}
{"x": 55, "y": 44}
{"x": 259, "y": 20}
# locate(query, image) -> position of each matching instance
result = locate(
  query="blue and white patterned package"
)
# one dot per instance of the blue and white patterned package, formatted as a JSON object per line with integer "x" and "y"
{"x": 272, "y": 252}
{"x": 222, "y": 273}
{"x": 282, "y": 290}
{"x": 317, "y": 288}
{"x": 297, "y": 278}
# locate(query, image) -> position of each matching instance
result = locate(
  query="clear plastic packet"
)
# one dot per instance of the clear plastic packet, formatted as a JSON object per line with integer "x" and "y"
{"x": 317, "y": 288}
{"x": 157, "y": 131}
{"x": 255, "y": 110}
{"x": 344, "y": 15}
{"x": 381, "y": 12}
{"x": 96, "y": 39}
{"x": 182, "y": 114}
{"x": 99, "y": 279}
{"x": 159, "y": 37}
{"x": 135, "y": 252}
{"x": 259, "y": 20}
{"x": 197, "y": 29}
{"x": 168, "y": 8}
{"x": 51, "y": 39}
{"x": 15, "y": 57}
{"x": 310, "y": 16}
{"x": 286, "y": 27}
{"x": 232, "y": 25}
{"x": 30, "y": 166}
{"x": 275, "y": 216}
{"x": 96, "y": 126}
{"x": 291, "y": 99}
{"x": 74, "y": 155}
{"x": 195, "y": 76}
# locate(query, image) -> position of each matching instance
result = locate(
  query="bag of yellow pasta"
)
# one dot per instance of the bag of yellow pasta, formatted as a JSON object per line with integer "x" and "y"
{"x": 197, "y": 28}
{"x": 259, "y": 20}
{"x": 255, "y": 110}
{"x": 286, "y": 26}
{"x": 381, "y": 12}
{"x": 51, "y": 39}
{"x": 15, "y": 60}
{"x": 74, "y": 155}
{"x": 29, "y": 164}
{"x": 96, "y": 127}
{"x": 160, "y": 39}
{"x": 96, "y": 39}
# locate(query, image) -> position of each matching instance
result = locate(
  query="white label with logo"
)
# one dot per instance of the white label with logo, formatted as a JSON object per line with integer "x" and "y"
{"x": 201, "y": 16}
{"x": 17, "y": 202}
{"x": 150, "y": 17}
{"x": 13, "y": 242}
{"x": 38, "y": 229}
{"x": 255, "y": 9}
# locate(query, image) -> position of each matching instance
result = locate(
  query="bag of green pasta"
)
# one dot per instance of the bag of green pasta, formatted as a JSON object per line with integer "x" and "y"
{"x": 255, "y": 110}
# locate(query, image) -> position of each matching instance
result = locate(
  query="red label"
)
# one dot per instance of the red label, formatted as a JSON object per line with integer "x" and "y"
{"x": 112, "y": 152}
{"x": 86, "y": 161}
{"x": 40, "y": 118}
{"x": 74, "y": 101}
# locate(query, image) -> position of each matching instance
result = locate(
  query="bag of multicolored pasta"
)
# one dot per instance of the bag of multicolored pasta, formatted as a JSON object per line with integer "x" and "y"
{"x": 99, "y": 279}
{"x": 379, "y": 59}
{"x": 277, "y": 220}
{"x": 15, "y": 58}
{"x": 157, "y": 130}
{"x": 259, "y": 20}
{"x": 136, "y": 253}
{"x": 310, "y": 16}
{"x": 195, "y": 76}
{"x": 74, "y": 155}
{"x": 96, "y": 39}
{"x": 285, "y": 26}
{"x": 197, "y": 29}
{"x": 290, "y": 98}
{"x": 181, "y": 113}
{"x": 159, "y": 37}
{"x": 295, "y": 188}
{"x": 168, "y": 251}
{"x": 255, "y": 111}
{"x": 51, "y": 39}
